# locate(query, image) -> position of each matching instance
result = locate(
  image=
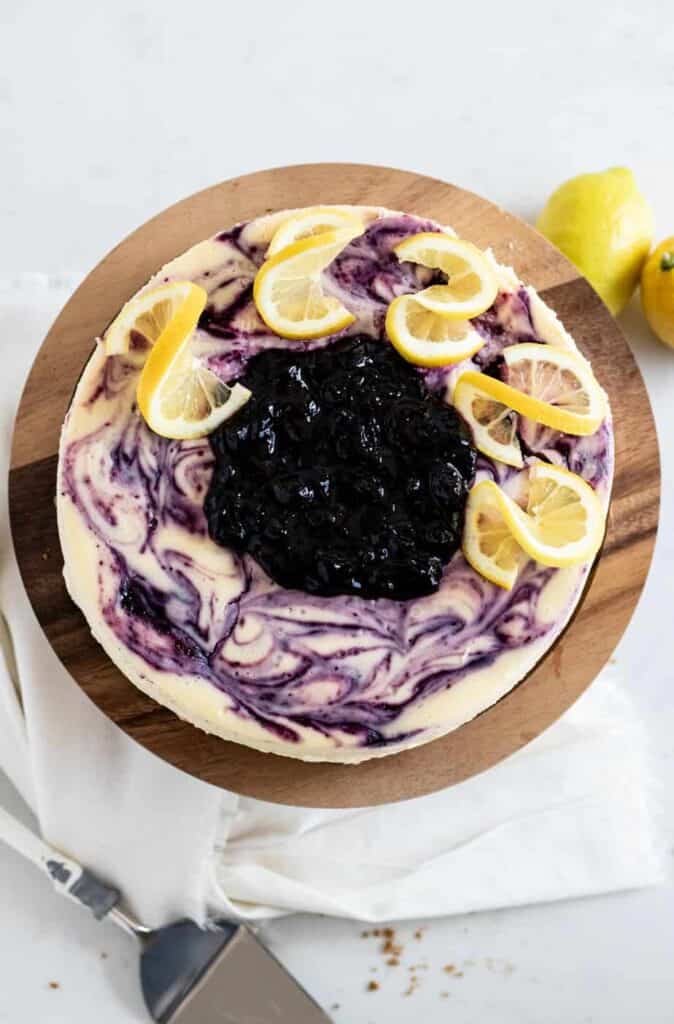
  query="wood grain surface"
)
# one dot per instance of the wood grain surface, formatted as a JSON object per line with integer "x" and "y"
{"x": 556, "y": 682}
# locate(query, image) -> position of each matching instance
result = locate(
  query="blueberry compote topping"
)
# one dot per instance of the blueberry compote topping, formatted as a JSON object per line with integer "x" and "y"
{"x": 342, "y": 474}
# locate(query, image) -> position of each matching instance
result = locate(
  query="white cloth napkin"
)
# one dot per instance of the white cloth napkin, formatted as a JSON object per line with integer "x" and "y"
{"x": 570, "y": 815}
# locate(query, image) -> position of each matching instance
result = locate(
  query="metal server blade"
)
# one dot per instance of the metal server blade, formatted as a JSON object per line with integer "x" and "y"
{"x": 220, "y": 977}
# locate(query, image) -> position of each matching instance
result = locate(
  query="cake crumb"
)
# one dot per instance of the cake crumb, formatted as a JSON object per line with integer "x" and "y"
{"x": 412, "y": 987}
{"x": 365, "y": 935}
{"x": 393, "y": 961}
{"x": 54, "y": 984}
{"x": 419, "y": 934}
{"x": 390, "y": 947}
{"x": 372, "y": 986}
{"x": 444, "y": 995}
{"x": 449, "y": 968}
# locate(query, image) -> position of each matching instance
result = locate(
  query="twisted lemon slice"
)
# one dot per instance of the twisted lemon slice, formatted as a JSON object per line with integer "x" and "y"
{"x": 494, "y": 425}
{"x": 288, "y": 291}
{"x": 471, "y": 287}
{"x": 148, "y": 314}
{"x": 315, "y": 220}
{"x": 178, "y": 396}
{"x": 429, "y": 339}
{"x": 551, "y": 385}
{"x": 559, "y": 383}
{"x": 563, "y": 524}
{"x": 488, "y": 544}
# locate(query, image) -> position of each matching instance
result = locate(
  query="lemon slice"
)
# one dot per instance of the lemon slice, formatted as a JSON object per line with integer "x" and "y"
{"x": 150, "y": 313}
{"x": 427, "y": 339}
{"x": 315, "y": 220}
{"x": 561, "y": 380}
{"x": 564, "y": 521}
{"x": 472, "y": 285}
{"x": 488, "y": 544}
{"x": 288, "y": 292}
{"x": 563, "y": 524}
{"x": 494, "y": 425}
{"x": 178, "y": 396}
{"x": 553, "y": 386}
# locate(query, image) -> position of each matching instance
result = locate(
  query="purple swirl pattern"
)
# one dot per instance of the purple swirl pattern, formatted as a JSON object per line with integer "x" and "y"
{"x": 341, "y": 665}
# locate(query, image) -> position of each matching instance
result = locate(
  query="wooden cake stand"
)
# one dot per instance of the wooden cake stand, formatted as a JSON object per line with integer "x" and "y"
{"x": 562, "y": 675}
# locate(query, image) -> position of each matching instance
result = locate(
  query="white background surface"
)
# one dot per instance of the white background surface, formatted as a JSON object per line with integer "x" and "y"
{"x": 107, "y": 116}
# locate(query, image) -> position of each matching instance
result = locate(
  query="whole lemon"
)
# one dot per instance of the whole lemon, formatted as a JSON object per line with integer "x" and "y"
{"x": 657, "y": 291}
{"x": 605, "y": 227}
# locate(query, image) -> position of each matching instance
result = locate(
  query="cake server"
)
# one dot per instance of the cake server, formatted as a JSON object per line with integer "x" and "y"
{"x": 188, "y": 975}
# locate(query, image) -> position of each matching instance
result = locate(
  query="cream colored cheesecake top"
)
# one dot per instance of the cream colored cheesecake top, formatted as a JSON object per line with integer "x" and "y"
{"x": 204, "y": 630}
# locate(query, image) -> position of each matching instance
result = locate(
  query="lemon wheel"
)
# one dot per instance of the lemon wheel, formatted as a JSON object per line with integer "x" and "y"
{"x": 178, "y": 396}
{"x": 316, "y": 220}
{"x": 552, "y": 386}
{"x": 493, "y": 424}
{"x": 288, "y": 291}
{"x": 148, "y": 314}
{"x": 471, "y": 286}
{"x": 488, "y": 544}
{"x": 426, "y": 338}
{"x": 561, "y": 526}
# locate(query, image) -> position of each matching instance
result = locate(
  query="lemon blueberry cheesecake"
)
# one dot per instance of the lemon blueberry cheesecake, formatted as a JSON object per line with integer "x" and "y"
{"x": 331, "y": 483}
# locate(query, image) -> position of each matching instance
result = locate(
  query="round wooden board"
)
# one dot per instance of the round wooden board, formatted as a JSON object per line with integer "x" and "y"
{"x": 568, "y": 668}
